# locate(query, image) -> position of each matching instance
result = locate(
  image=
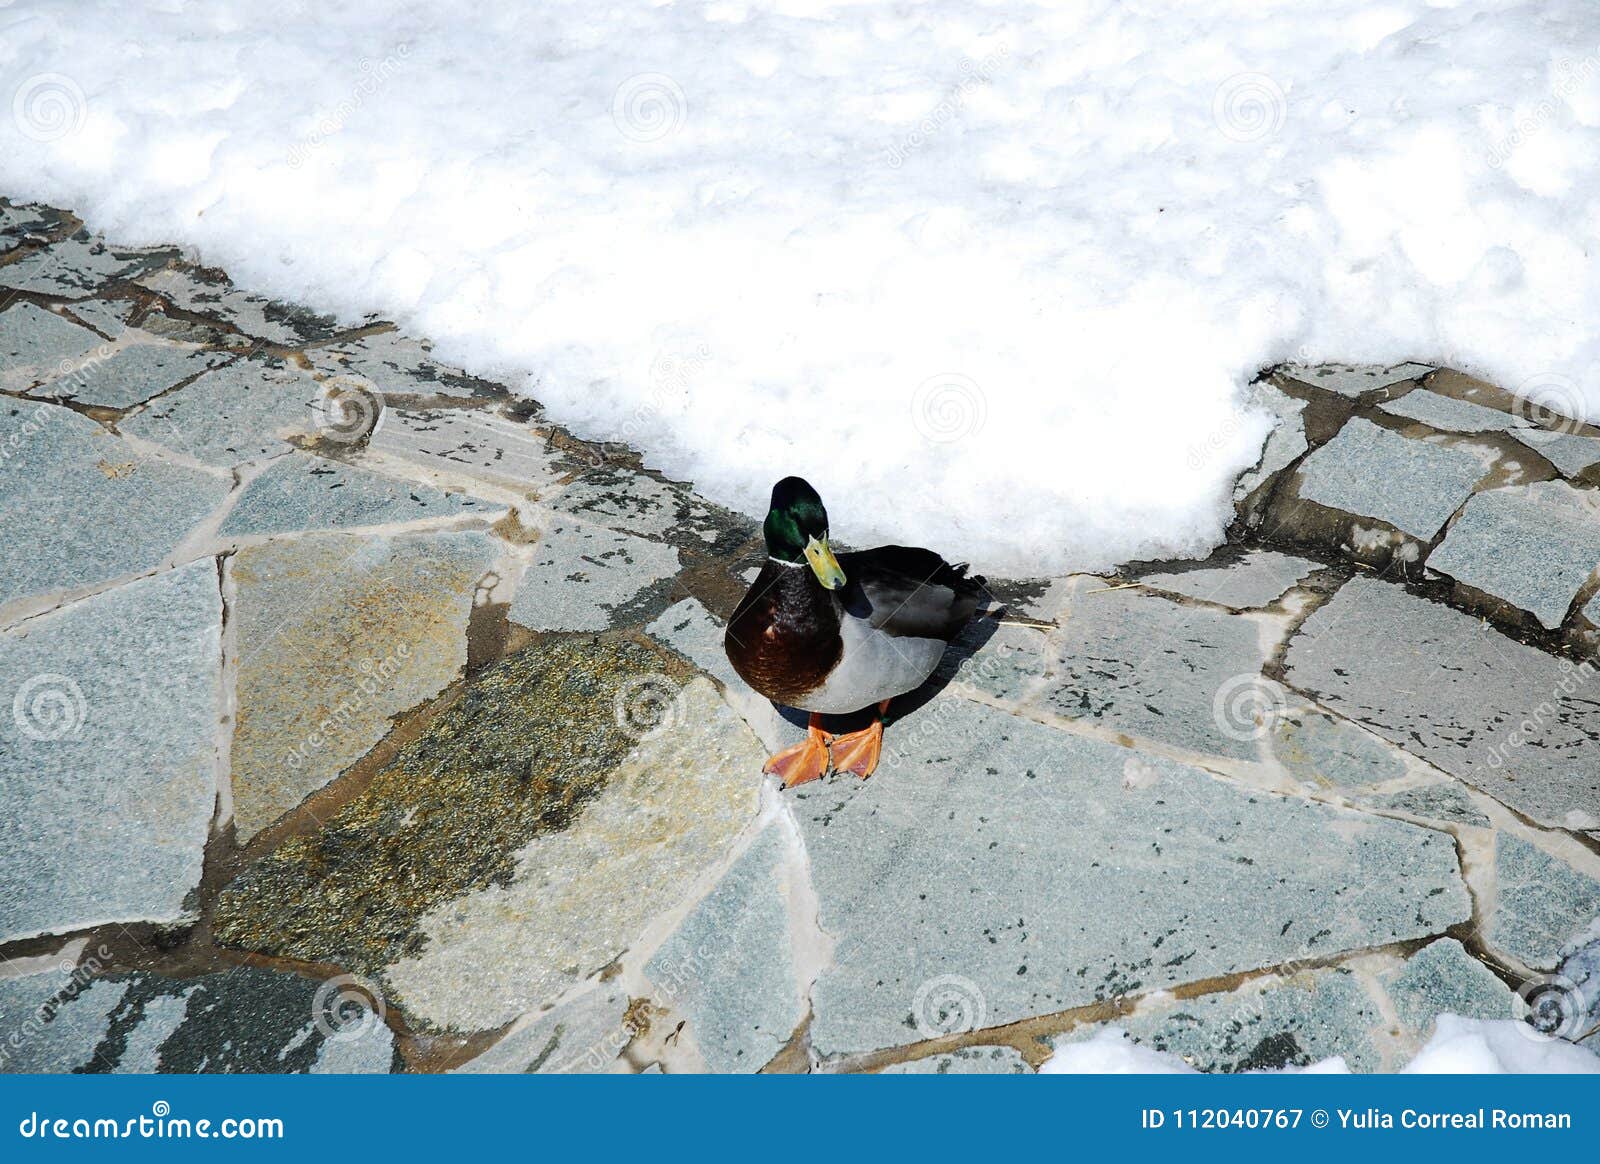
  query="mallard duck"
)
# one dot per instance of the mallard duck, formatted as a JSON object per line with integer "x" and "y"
{"x": 833, "y": 634}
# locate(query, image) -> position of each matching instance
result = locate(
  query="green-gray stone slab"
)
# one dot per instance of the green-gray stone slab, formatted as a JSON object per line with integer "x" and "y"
{"x": 582, "y": 1037}
{"x": 397, "y": 364}
{"x": 279, "y": 323}
{"x": 1449, "y": 414}
{"x": 1541, "y": 903}
{"x": 242, "y": 1020}
{"x": 301, "y": 492}
{"x": 638, "y": 503}
{"x": 336, "y": 634}
{"x": 1143, "y": 665}
{"x": 231, "y": 415}
{"x": 1353, "y": 380}
{"x": 82, "y": 506}
{"x": 109, "y": 794}
{"x": 729, "y": 967}
{"x": 1371, "y": 472}
{"x": 1442, "y": 978}
{"x": 77, "y": 266}
{"x": 471, "y": 443}
{"x": 53, "y": 1021}
{"x": 1572, "y": 453}
{"x": 1258, "y": 579}
{"x": 966, "y": 1061}
{"x": 1323, "y": 749}
{"x": 1505, "y": 718}
{"x": 1533, "y": 546}
{"x": 130, "y": 375}
{"x": 1447, "y": 801}
{"x": 1267, "y": 1025}
{"x": 580, "y": 574}
{"x": 1054, "y": 884}
{"x": 1284, "y": 443}
{"x": 35, "y": 345}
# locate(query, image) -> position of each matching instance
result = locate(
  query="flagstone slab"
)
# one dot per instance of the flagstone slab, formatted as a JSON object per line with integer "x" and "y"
{"x": 1447, "y": 802}
{"x": 271, "y": 320}
{"x": 1285, "y": 443}
{"x": 1367, "y": 471}
{"x": 1326, "y": 751}
{"x": 472, "y": 444}
{"x": 637, "y": 503}
{"x": 1355, "y": 380}
{"x": 1541, "y": 903}
{"x": 53, "y": 1020}
{"x": 966, "y": 1061}
{"x": 130, "y": 375}
{"x": 301, "y": 492}
{"x": 1442, "y": 978}
{"x": 238, "y": 413}
{"x": 398, "y": 364}
{"x": 521, "y": 842}
{"x": 1057, "y": 883}
{"x": 336, "y": 635}
{"x": 37, "y": 345}
{"x": 1572, "y": 453}
{"x": 1450, "y": 414}
{"x": 1146, "y": 666}
{"x": 581, "y": 575}
{"x": 1271, "y": 1023}
{"x": 107, "y": 758}
{"x": 1505, "y": 718}
{"x": 1533, "y": 546}
{"x": 1257, "y": 579}
{"x": 729, "y": 968}
{"x": 238, "y": 1020}
{"x": 79, "y": 266}
{"x": 584, "y": 1037}
{"x": 83, "y": 506}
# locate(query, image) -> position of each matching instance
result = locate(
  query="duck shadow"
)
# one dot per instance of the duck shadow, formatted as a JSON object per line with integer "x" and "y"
{"x": 965, "y": 645}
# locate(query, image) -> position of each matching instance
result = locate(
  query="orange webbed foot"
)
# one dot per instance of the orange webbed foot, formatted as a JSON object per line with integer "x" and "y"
{"x": 860, "y": 751}
{"x": 806, "y": 761}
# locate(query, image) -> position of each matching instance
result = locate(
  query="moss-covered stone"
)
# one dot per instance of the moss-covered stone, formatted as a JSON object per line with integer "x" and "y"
{"x": 527, "y": 744}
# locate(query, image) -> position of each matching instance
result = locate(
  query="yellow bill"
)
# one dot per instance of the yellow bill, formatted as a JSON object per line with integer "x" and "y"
{"x": 823, "y": 564}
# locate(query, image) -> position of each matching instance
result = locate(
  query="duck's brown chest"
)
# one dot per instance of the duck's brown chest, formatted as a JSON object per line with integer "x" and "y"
{"x": 783, "y": 639}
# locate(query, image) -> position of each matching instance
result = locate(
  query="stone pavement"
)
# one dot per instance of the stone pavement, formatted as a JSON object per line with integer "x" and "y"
{"x": 357, "y": 718}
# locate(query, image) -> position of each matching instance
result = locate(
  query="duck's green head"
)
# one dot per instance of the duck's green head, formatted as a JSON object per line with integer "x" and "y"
{"x": 797, "y": 531}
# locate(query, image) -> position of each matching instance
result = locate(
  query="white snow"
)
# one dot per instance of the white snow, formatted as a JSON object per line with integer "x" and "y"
{"x": 1458, "y": 1046}
{"x": 991, "y": 274}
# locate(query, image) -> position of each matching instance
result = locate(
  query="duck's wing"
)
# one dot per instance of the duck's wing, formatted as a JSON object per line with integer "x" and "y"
{"x": 909, "y": 592}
